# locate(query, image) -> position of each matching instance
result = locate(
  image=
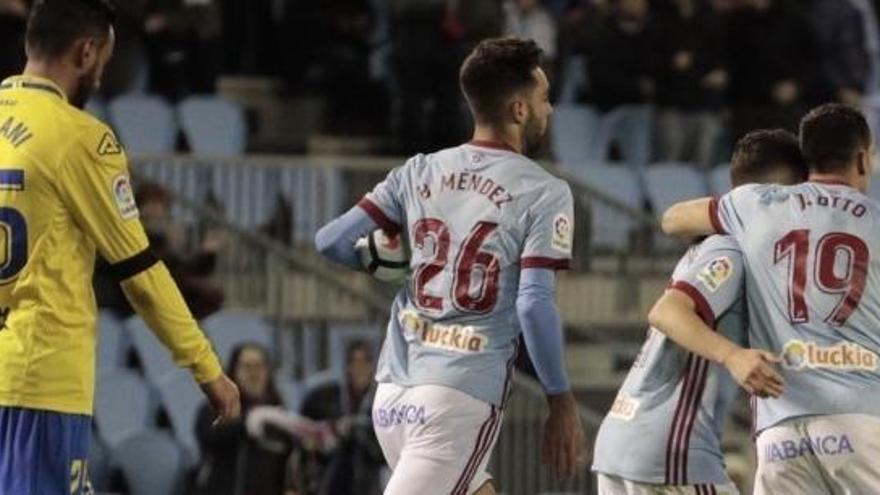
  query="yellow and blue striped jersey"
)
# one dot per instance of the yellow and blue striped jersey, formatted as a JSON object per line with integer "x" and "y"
{"x": 65, "y": 193}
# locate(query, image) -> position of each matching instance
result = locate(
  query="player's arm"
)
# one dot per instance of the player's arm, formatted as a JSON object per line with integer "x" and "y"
{"x": 689, "y": 219}
{"x": 96, "y": 191}
{"x": 547, "y": 248}
{"x": 336, "y": 240}
{"x": 687, "y": 314}
{"x": 379, "y": 209}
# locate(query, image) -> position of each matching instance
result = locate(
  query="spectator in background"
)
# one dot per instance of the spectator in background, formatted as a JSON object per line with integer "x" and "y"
{"x": 619, "y": 57}
{"x": 232, "y": 462}
{"x": 183, "y": 43}
{"x": 770, "y": 52}
{"x": 13, "y": 16}
{"x": 191, "y": 269}
{"x": 690, "y": 77}
{"x": 842, "y": 49}
{"x": 353, "y": 467}
{"x": 427, "y": 45}
{"x": 530, "y": 20}
{"x": 128, "y": 70}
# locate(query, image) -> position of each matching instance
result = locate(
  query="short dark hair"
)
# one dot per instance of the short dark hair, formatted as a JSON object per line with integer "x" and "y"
{"x": 358, "y": 346}
{"x": 494, "y": 70}
{"x": 54, "y": 25}
{"x": 763, "y": 154}
{"x": 831, "y": 135}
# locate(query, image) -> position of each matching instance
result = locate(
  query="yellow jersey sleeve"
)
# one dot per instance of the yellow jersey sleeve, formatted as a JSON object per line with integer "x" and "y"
{"x": 95, "y": 186}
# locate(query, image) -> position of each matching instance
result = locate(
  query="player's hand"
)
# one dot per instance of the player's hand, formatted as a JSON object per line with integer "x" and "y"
{"x": 223, "y": 395}
{"x": 753, "y": 369}
{"x": 563, "y": 450}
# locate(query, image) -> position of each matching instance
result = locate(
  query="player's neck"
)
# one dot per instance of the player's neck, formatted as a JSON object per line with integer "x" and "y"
{"x": 508, "y": 138}
{"x": 844, "y": 179}
{"x": 53, "y": 71}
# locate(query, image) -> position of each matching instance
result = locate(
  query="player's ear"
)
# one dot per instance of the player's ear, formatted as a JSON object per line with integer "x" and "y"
{"x": 519, "y": 109}
{"x": 85, "y": 53}
{"x": 863, "y": 162}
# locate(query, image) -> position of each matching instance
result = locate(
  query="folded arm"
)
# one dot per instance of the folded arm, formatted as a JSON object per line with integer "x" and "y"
{"x": 336, "y": 240}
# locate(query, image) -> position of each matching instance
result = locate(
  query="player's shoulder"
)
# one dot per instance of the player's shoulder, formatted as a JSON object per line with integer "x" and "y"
{"x": 719, "y": 243}
{"x": 94, "y": 136}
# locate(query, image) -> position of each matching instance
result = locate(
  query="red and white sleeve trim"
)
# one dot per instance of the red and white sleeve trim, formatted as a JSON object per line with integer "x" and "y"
{"x": 378, "y": 216}
{"x": 703, "y": 309}
{"x": 541, "y": 262}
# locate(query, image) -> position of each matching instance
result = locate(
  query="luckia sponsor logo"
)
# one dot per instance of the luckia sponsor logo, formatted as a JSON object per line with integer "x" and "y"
{"x": 465, "y": 339}
{"x": 847, "y": 356}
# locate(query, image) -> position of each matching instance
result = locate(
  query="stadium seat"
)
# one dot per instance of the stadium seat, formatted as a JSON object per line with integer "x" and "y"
{"x": 342, "y": 335}
{"x": 144, "y": 124}
{"x": 574, "y": 78}
{"x": 98, "y": 109}
{"x": 123, "y": 405}
{"x": 611, "y": 227}
{"x": 874, "y": 188}
{"x": 151, "y": 462}
{"x": 630, "y": 126}
{"x": 572, "y": 133}
{"x": 719, "y": 180}
{"x": 154, "y": 357}
{"x": 213, "y": 126}
{"x": 100, "y": 469}
{"x": 113, "y": 343}
{"x": 228, "y": 329}
{"x": 291, "y": 391}
{"x": 182, "y": 398}
{"x": 669, "y": 183}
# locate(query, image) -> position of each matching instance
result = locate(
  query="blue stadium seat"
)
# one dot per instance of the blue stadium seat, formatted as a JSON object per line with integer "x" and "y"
{"x": 572, "y": 134}
{"x": 669, "y": 183}
{"x": 213, "y": 126}
{"x": 100, "y": 466}
{"x": 144, "y": 124}
{"x": 630, "y": 126}
{"x": 182, "y": 398}
{"x": 341, "y": 335}
{"x": 611, "y": 227}
{"x": 151, "y": 462}
{"x": 228, "y": 329}
{"x": 291, "y": 390}
{"x": 874, "y": 188}
{"x": 123, "y": 405}
{"x": 113, "y": 343}
{"x": 719, "y": 180}
{"x": 574, "y": 78}
{"x": 98, "y": 109}
{"x": 154, "y": 357}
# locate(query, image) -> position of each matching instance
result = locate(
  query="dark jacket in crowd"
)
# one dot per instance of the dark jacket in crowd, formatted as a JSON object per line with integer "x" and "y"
{"x": 353, "y": 468}
{"x": 702, "y": 36}
{"x": 841, "y": 42}
{"x": 765, "y": 48}
{"x": 234, "y": 463}
{"x": 619, "y": 63}
{"x": 11, "y": 45}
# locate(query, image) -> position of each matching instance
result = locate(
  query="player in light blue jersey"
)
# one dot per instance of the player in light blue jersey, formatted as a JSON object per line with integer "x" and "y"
{"x": 487, "y": 229}
{"x": 663, "y": 433}
{"x": 813, "y": 291}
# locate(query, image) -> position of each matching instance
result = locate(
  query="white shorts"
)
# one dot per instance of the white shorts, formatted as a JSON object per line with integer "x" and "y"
{"x": 833, "y": 454}
{"x": 436, "y": 439}
{"x": 613, "y": 485}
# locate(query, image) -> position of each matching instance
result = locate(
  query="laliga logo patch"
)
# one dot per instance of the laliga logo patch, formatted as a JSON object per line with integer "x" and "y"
{"x": 562, "y": 233}
{"x": 716, "y": 273}
{"x": 798, "y": 355}
{"x": 124, "y": 197}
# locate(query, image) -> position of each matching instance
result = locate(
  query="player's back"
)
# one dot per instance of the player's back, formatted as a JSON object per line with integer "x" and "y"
{"x": 666, "y": 421}
{"x": 47, "y": 343}
{"x": 474, "y": 216}
{"x": 813, "y": 286}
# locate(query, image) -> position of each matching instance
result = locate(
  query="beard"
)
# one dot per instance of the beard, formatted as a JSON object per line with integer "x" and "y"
{"x": 533, "y": 134}
{"x": 85, "y": 88}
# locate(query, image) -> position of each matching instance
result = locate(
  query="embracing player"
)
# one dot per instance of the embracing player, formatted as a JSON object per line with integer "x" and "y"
{"x": 65, "y": 192}
{"x": 813, "y": 292}
{"x": 487, "y": 229}
{"x": 663, "y": 432}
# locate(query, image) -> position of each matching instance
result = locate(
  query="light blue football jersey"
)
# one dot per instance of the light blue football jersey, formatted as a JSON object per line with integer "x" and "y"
{"x": 473, "y": 216}
{"x": 812, "y": 254}
{"x": 665, "y": 424}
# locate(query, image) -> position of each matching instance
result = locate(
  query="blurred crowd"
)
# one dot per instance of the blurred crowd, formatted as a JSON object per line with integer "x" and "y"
{"x": 708, "y": 66}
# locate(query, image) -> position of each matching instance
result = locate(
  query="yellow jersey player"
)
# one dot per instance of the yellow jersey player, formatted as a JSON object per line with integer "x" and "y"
{"x": 65, "y": 194}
